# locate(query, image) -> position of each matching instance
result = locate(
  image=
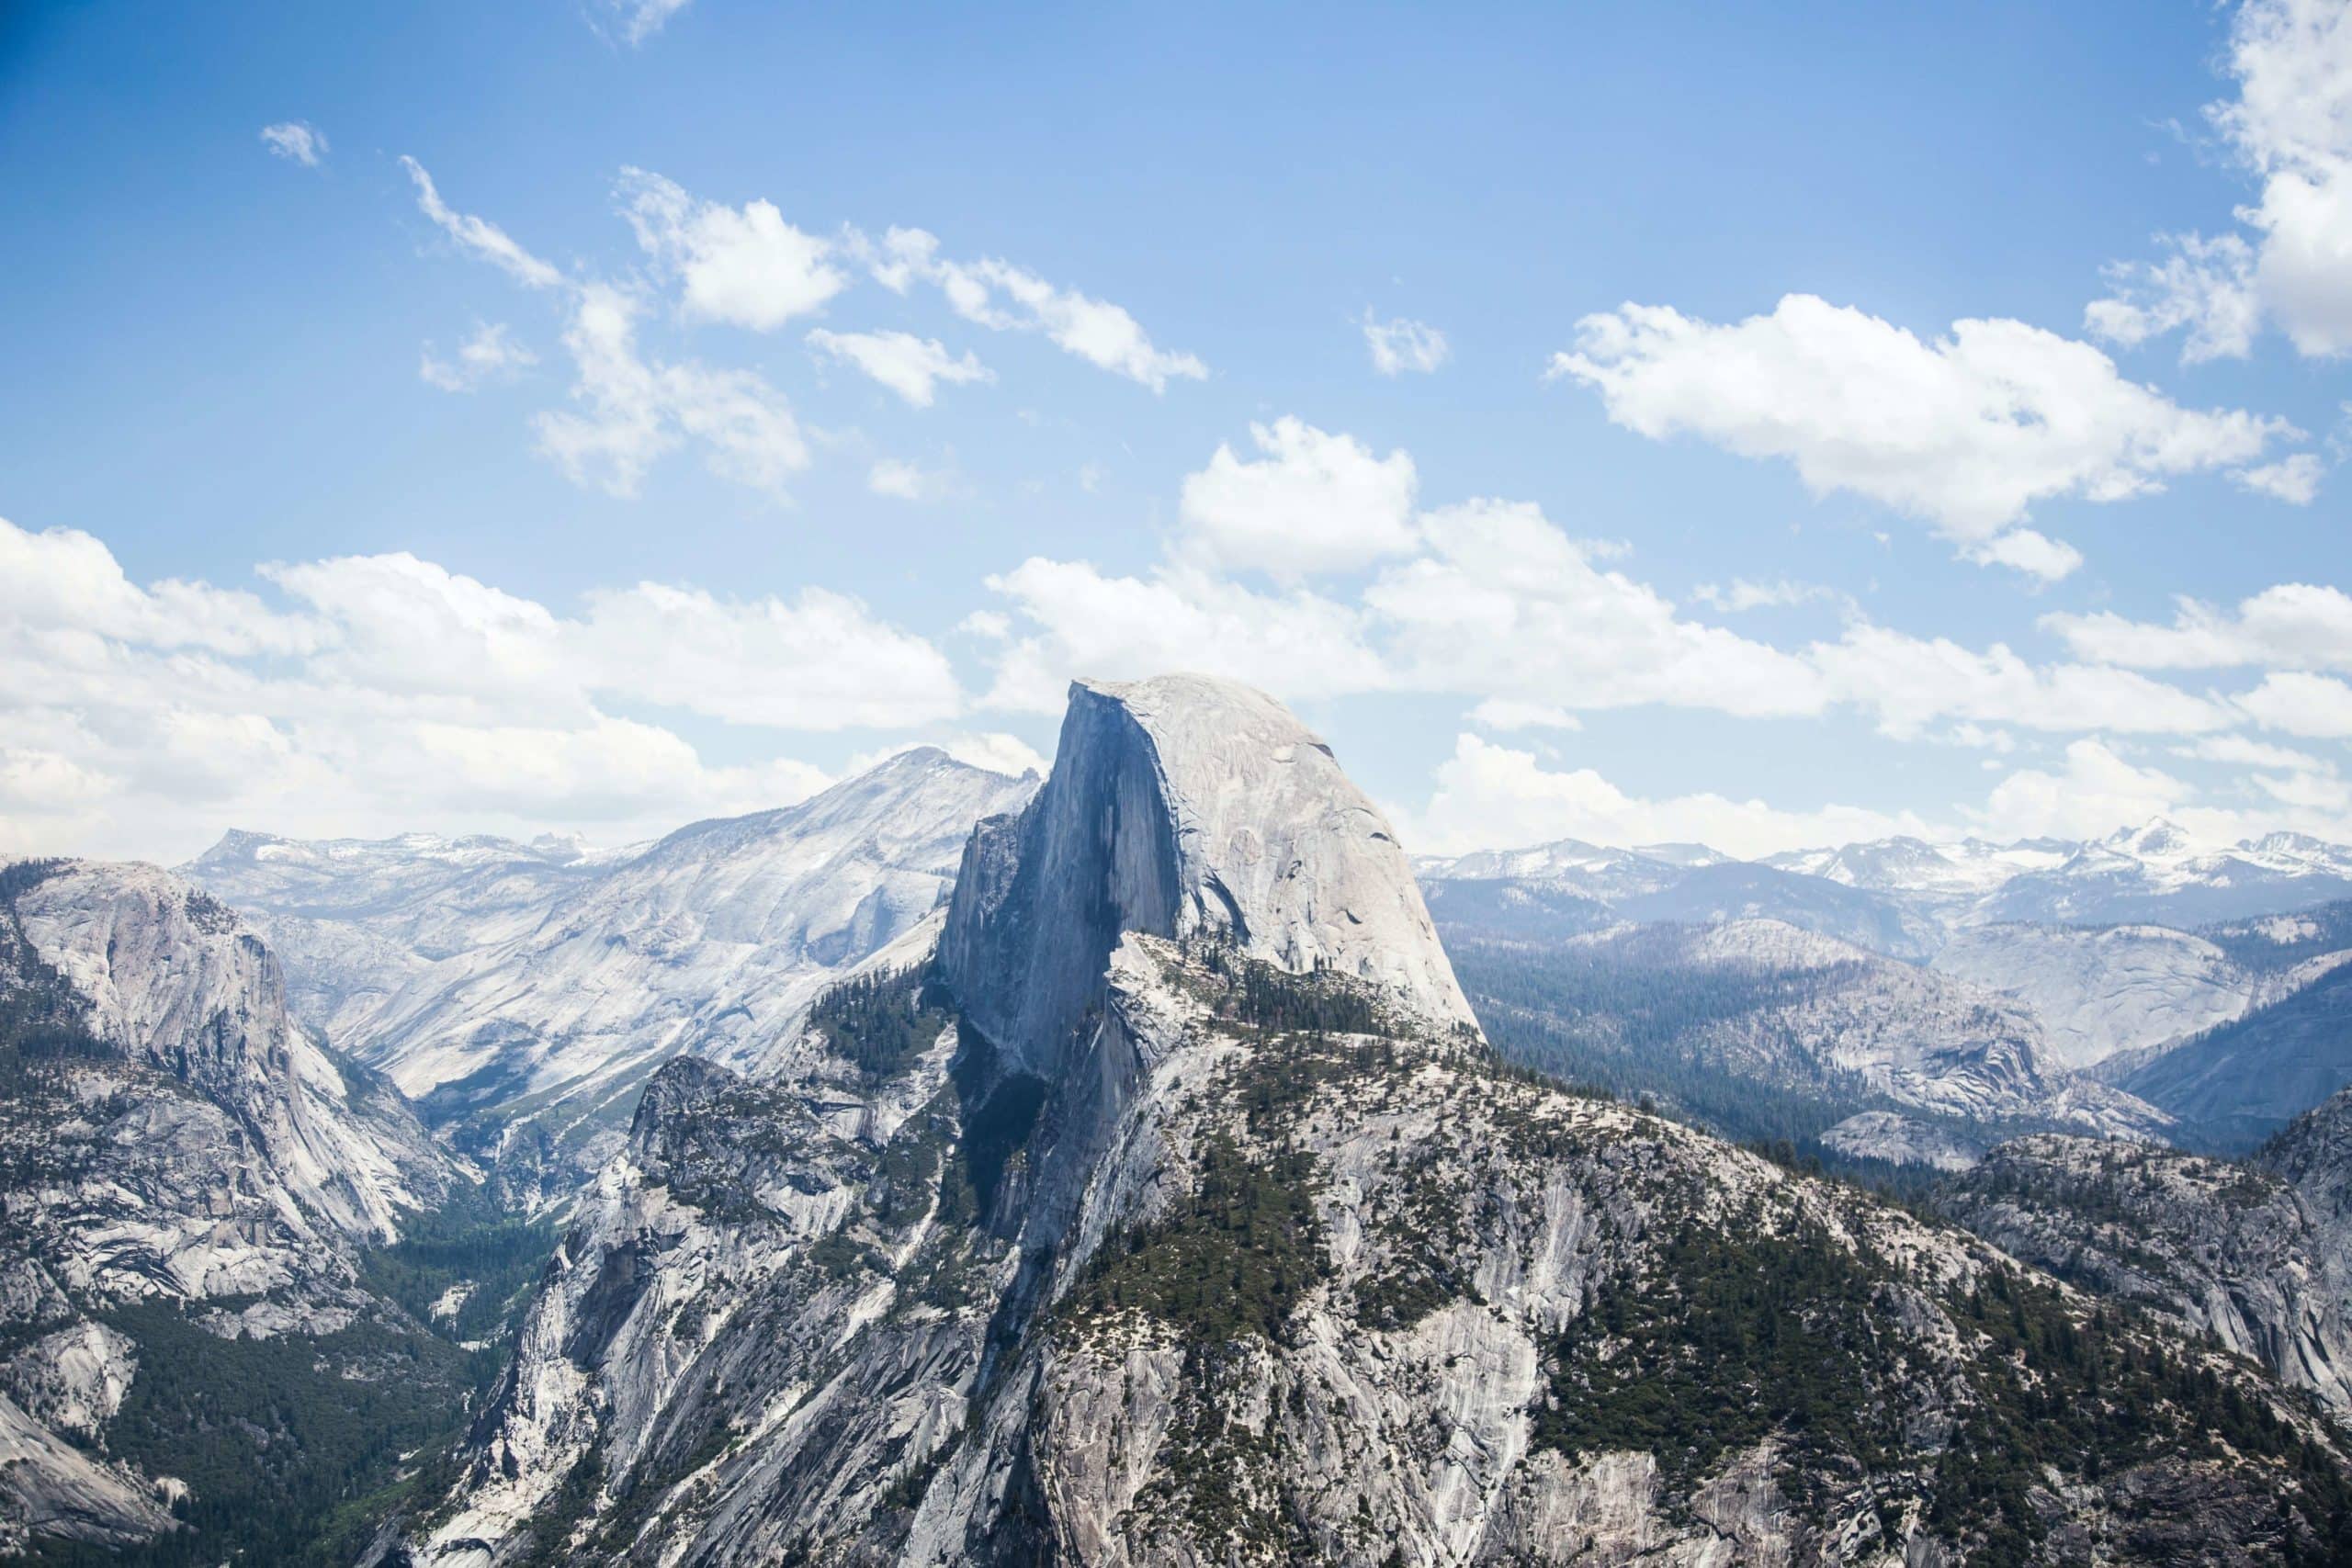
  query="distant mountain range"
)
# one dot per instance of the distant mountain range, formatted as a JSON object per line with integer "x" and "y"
{"x": 521, "y": 993}
{"x": 2198, "y": 979}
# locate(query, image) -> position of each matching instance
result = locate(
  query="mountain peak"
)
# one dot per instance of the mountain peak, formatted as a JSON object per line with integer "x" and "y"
{"x": 1184, "y": 805}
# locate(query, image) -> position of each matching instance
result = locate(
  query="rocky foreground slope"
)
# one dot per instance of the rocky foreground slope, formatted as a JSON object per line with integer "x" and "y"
{"x": 2255, "y": 1255}
{"x": 1176, "y": 1213}
{"x": 188, "y": 1176}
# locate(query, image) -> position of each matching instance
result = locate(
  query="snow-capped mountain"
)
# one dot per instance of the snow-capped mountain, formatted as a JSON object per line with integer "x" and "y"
{"x": 556, "y": 982}
{"x": 1242, "y": 1248}
{"x": 2159, "y": 874}
{"x": 1913, "y": 891}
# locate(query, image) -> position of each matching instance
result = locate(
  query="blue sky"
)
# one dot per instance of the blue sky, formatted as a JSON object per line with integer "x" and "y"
{"x": 1706, "y": 521}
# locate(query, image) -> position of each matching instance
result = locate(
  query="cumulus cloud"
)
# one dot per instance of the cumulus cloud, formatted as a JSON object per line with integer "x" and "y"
{"x": 2317, "y": 706}
{"x": 1966, "y": 432}
{"x": 1402, "y": 344}
{"x": 296, "y": 141}
{"x": 2289, "y": 130}
{"x": 2096, "y": 791}
{"x": 1309, "y": 502}
{"x": 492, "y": 354}
{"x": 2293, "y": 479}
{"x": 2291, "y": 625}
{"x": 378, "y": 692}
{"x": 2205, "y": 285}
{"x": 1512, "y": 713}
{"x": 910, "y": 366}
{"x": 1908, "y": 683}
{"x": 1492, "y": 602}
{"x": 2028, "y": 552}
{"x": 478, "y": 236}
{"x": 1488, "y": 795}
{"x": 742, "y": 265}
{"x": 1002, "y": 297}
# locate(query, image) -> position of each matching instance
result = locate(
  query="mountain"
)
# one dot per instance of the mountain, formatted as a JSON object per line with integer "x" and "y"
{"x": 193, "y": 1190}
{"x": 1943, "y": 879}
{"x": 1564, "y": 888}
{"x": 1177, "y": 1213}
{"x": 2106, "y": 992}
{"x": 352, "y": 920}
{"x": 1739, "y": 1021}
{"x": 2158, "y": 874}
{"x": 2238, "y": 1083}
{"x": 2256, "y": 1255}
{"x": 545, "y": 992}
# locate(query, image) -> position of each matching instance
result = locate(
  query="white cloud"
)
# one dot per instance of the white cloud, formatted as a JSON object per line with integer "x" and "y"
{"x": 1967, "y": 432}
{"x": 2293, "y": 479}
{"x": 1005, "y": 297}
{"x": 640, "y": 19}
{"x": 492, "y": 354}
{"x": 2290, "y": 129}
{"x": 1743, "y": 595}
{"x": 1493, "y": 796}
{"x": 1908, "y": 683}
{"x": 910, "y": 366}
{"x": 1511, "y": 713}
{"x": 1311, "y": 503}
{"x": 2291, "y": 625}
{"x": 2098, "y": 792}
{"x": 636, "y": 410}
{"x": 2318, "y": 706}
{"x": 902, "y": 481}
{"x": 385, "y": 693}
{"x": 2028, "y": 552}
{"x": 1501, "y": 602}
{"x": 478, "y": 235}
{"x": 297, "y": 140}
{"x": 2204, "y": 284}
{"x": 1400, "y": 344}
{"x": 744, "y": 265}
{"x": 2243, "y": 751}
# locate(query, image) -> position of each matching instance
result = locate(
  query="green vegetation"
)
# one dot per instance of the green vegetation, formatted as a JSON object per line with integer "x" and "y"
{"x": 1233, "y": 1257}
{"x": 883, "y": 1022}
{"x": 1729, "y": 1335}
{"x": 469, "y": 1241}
{"x": 1602, "y": 1018}
{"x": 290, "y": 1446}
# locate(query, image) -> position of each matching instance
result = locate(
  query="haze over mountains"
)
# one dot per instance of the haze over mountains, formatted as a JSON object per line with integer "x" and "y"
{"x": 1146, "y": 1165}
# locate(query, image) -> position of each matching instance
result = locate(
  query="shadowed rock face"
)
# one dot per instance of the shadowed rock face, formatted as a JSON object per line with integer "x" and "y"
{"x": 1181, "y": 806}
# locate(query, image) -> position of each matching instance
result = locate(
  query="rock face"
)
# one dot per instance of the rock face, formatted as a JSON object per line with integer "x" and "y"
{"x": 174, "y": 1144}
{"x": 1245, "y": 1249}
{"x": 1764, "y": 1003}
{"x": 167, "y": 977}
{"x": 561, "y": 981}
{"x": 1183, "y": 806}
{"x": 2258, "y": 1257}
{"x": 2100, "y": 990}
{"x": 2238, "y": 1084}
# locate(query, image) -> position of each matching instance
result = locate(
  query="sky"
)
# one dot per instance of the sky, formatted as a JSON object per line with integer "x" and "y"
{"x": 1632, "y": 423}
